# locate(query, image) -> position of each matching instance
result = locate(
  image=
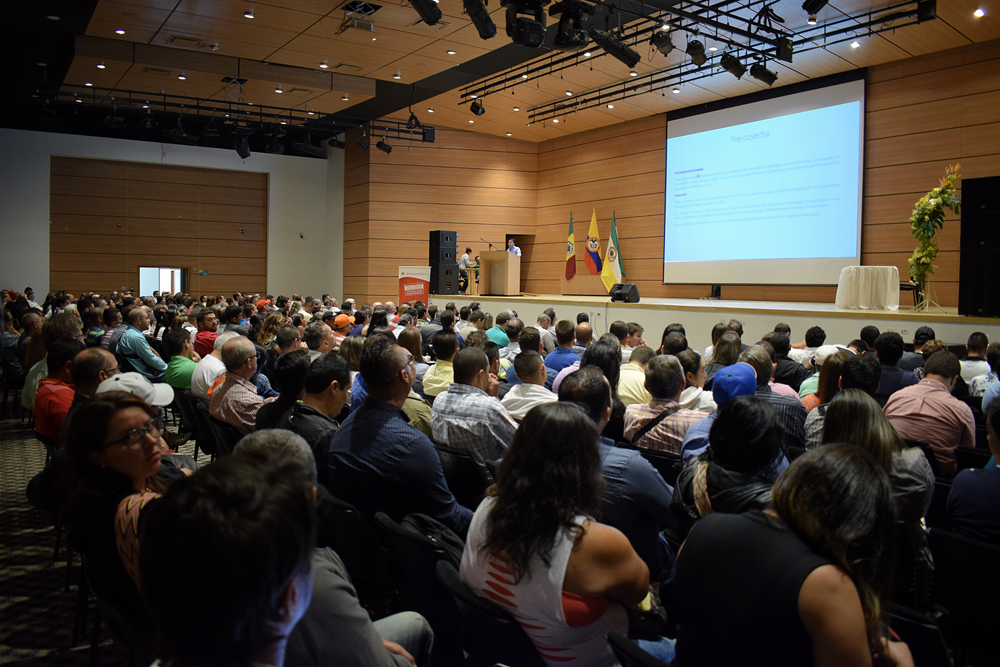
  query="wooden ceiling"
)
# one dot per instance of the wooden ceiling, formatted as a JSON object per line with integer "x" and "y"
{"x": 304, "y": 34}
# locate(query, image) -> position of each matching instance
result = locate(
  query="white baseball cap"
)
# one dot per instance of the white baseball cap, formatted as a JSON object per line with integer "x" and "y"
{"x": 136, "y": 383}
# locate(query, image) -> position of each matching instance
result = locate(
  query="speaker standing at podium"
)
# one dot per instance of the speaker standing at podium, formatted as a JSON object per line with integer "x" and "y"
{"x": 513, "y": 248}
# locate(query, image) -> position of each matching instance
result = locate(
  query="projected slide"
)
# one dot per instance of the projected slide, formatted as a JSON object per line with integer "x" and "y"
{"x": 783, "y": 188}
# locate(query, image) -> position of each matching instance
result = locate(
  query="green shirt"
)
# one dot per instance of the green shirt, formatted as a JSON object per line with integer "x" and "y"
{"x": 179, "y": 372}
{"x": 809, "y": 386}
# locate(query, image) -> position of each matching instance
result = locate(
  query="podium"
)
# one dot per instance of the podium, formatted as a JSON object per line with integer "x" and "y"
{"x": 499, "y": 273}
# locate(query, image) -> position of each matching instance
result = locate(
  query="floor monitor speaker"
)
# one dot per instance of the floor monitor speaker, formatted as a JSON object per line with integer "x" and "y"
{"x": 626, "y": 292}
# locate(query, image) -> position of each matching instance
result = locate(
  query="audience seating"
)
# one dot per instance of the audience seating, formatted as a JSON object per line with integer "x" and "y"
{"x": 189, "y": 422}
{"x": 628, "y": 652}
{"x": 972, "y": 457}
{"x": 206, "y": 437}
{"x": 913, "y": 575}
{"x": 937, "y": 513}
{"x": 922, "y": 636}
{"x": 489, "y": 634}
{"x": 466, "y": 478}
{"x": 929, "y": 453}
{"x": 668, "y": 465}
{"x": 226, "y": 435}
{"x": 966, "y": 589}
{"x": 12, "y": 382}
{"x": 364, "y": 556}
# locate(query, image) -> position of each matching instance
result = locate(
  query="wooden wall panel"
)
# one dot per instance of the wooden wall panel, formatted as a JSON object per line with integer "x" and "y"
{"x": 109, "y": 218}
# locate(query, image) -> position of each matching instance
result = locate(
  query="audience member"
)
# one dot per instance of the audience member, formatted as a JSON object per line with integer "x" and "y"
{"x": 236, "y": 401}
{"x": 289, "y": 379}
{"x": 543, "y": 323}
{"x": 927, "y": 412}
{"x": 869, "y": 334}
{"x": 790, "y": 411}
{"x": 911, "y": 361}
{"x": 55, "y": 391}
{"x": 476, "y": 320}
{"x": 980, "y": 383}
{"x": 740, "y": 379}
{"x": 59, "y": 326}
{"x": 974, "y": 501}
{"x": 726, "y": 352}
{"x": 694, "y": 396}
{"x": 787, "y": 371}
{"x": 410, "y": 339}
{"x": 815, "y": 337}
{"x": 208, "y": 324}
{"x": 113, "y": 325}
{"x": 563, "y": 355}
{"x": 828, "y": 362}
{"x": 378, "y": 462}
{"x": 974, "y": 364}
{"x": 133, "y": 349}
{"x": 858, "y": 372}
{"x": 584, "y": 337}
{"x": 662, "y": 423}
{"x": 498, "y": 333}
{"x": 441, "y": 375}
{"x": 180, "y": 351}
{"x": 814, "y": 362}
{"x": 210, "y": 372}
{"x": 319, "y": 338}
{"x": 552, "y": 554}
{"x": 531, "y": 391}
{"x": 889, "y": 349}
{"x": 514, "y": 328}
{"x": 632, "y": 381}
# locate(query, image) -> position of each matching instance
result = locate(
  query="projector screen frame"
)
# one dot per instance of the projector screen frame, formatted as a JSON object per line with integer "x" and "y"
{"x": 755, "y": 267}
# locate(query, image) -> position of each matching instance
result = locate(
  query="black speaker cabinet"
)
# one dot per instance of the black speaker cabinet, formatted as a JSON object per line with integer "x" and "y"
{"x": 443, "y": 238}
{"x": 626, "y": 292}
{"x": 442, "y": 255}
{"x": 979, "y": 247}
{"x": 444, "y": 279}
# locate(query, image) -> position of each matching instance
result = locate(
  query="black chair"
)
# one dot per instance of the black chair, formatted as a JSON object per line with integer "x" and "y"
{"x": 367, "y": 560}
{"x": 189, "y": 422}
{"x": 226, "y": 435}
{"x": 467, "y": 479}
{"x": 922, "y": 636}
{"x": 937, "y": 513}
{"x": 629, "y": 654}
{"x": 416, "y": 585}
{"x": 12, "y": 382}
{"x": 929, "y": 453}
{"x": 489, "y": 634}
{"x": 910, "y": 287}
{"x": 976, "y": 404}
{"x": 493, "y": 467}
{"x": 972, "y": 457}
{"x": 206, "y": 438}
{"x": 982, "y": 438}
{"x": 966, "y": 589}
{"x": 664, "y": 462}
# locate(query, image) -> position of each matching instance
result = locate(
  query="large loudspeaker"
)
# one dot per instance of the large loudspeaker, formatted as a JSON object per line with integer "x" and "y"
{"x": 442, "y": 238}
{"x": 626, "y": 292}
{"x": 442, "y": 255}
{"x": 444, "y": 279}
{"x": 979, "y": 247}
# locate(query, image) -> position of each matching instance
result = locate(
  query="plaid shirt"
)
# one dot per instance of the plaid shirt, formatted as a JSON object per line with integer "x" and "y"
{"x": 466, "y": 417}
{"x": 666, "y": 436}
{"x": 236, "y": 402}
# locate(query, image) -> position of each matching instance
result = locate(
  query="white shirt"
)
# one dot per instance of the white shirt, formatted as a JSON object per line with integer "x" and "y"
{"x": 205, "y": 374}
{"x": 464, "y": 262}
{"x": 972, "y": 368}
{"x": 514, "y": 249}
{"x": 510, "y": 351}
{"x": 803, "y": 356}
{"x": 522, "y": 397}
{"x": 548, "y": 340}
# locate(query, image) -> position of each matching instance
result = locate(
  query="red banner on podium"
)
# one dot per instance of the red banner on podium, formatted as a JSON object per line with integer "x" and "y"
{"x": 415, "y": 284}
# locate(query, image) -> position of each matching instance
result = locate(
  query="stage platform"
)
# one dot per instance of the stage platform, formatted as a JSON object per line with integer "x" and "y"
{"x": 699, "y": 315}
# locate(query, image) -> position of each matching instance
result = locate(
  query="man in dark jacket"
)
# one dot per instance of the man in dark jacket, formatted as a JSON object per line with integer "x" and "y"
{"x": 787, "y": 371}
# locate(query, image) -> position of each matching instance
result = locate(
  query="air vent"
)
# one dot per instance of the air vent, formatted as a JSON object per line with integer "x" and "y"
{"x": 345, "y": 67}
{"x": 358, "y": 7}
{"x": 157, "y": 72}
{"x": 186, "y": 42}
{"x": 363, "y": 24}
{"x": 299, "y": 91}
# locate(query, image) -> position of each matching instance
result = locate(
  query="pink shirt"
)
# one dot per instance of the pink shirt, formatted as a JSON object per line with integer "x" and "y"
{"x": 782, "y": 389}
{"x": 929, "y": 413}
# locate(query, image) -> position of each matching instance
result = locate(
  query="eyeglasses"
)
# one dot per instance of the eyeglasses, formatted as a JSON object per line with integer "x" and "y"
{"x": 410, "y": 361}
{"x": 133, "y": 438}
{"x": 112, "y": 371}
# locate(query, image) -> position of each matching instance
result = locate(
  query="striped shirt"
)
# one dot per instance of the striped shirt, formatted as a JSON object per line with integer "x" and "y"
{"x": 666, "y": 436}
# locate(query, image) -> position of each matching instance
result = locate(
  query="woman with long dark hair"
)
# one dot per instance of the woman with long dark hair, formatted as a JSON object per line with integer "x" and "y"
{"x": 804, "y": 583}
{"x": 725, "y": 353}
{"x": 536, "y": 549}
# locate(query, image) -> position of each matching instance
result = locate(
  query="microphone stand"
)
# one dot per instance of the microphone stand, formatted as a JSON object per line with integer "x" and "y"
{"x": 486, "y": 242}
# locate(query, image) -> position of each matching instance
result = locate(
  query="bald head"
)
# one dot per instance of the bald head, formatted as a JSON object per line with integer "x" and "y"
{"x": 235, "y": 355}
{"x": 92, "y": 367}
{"x": 584, "y": 333}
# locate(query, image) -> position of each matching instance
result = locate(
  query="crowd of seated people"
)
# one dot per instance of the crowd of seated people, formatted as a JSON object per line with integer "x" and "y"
{"x": 367, "y": 393}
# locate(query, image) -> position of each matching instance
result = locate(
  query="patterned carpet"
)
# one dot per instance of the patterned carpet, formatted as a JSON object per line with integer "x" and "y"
{"x": 37, "y": 612}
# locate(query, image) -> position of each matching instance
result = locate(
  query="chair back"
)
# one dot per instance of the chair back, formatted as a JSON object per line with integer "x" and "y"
{"x": 664, "y": 462}
{"x": 922, "y": 636}
{"x": 363, "y": 554}
{"x": 972, "y": 457}
{"x": 489, "y": 634}
{"x": 226, "y": 435}
{"x": 466, "y": 478}
{"x": 628, "y": 652}
{"x": 206, "y": 438}
{"x": 937, "y": 513}
{"x": 965, "y": 586}
{"x": 189, "y": 422}
{"x": 417, "y": 586}
{"x": 929, "y": 453}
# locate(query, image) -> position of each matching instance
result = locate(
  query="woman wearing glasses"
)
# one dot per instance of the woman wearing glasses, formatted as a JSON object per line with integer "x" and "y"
{"x": 112, "y": 456}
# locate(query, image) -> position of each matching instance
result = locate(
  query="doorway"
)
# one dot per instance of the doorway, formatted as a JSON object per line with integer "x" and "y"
{"x": 161, "y": 279}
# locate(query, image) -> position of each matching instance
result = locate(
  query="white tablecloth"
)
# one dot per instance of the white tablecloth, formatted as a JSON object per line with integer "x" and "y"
{"x": 869, "y": 288}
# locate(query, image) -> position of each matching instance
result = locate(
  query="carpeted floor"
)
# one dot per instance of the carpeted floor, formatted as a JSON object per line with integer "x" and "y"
{"x": 37, "y": 612}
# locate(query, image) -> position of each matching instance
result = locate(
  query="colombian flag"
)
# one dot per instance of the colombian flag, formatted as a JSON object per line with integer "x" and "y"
{"x": 592, "y": 257}
{"x": 570, "y": 252}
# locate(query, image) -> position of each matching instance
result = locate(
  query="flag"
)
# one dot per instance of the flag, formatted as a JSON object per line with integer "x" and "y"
{"x": 570, "y": 252}
{"x": 592, "y": 258}
{"x": 613, "y": 268}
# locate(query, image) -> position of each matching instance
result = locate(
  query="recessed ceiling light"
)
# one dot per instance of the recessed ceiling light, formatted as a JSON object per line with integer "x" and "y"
{"x": 524, "y": 76}
{"x": 248, "y": 13}
{"x": 979, "y": 13}
{"x": 397, "y": 76}
{"x": 713, "y": 49}
{"x": 324, "y": 65}
{"x": 812, "y": 19}
{"x": 517, "y": 108}
{"x": 452, "y": 52}
{"x": 146, "y": 106}
{"x": 471, "y": 121}
{"x": 278, "y": 90}
{"x": 311, "y": 112}
{"x": 676, "y": 91}
{"x": 345, "y": 98}
{"x": 119, "y": 32}
{"x": 855, "y": 44}
{"x": 101, "y": 65}
{"x": 569, "y": 93}
{"x": 586, "y": 54}
{"x": 79, "y": 100}
{"x": 182, "y": 76}
{"x": 88, "y": 84}
{"x": 509, "y": 134}
{"x": 40, "y": 64}
{"x": 473, "y": 96}
{"x": 611, "y": 106}
{"x": 430, "y": 110}
{"x": 284, "y": 122}
{"x": 374, "y": 38}
{"x": 633, "y": 73}
{"x": 555, "y": 120}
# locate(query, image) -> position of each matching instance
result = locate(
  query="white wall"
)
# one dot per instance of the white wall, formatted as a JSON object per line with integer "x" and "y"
{"x": 306, "y": 196}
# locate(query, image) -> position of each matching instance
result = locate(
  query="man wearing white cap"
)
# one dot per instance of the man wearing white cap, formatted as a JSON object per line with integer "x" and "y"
{"x": 811, "y": 384}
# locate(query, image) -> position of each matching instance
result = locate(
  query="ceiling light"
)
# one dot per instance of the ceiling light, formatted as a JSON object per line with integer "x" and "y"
{"x": 615, "y": 47}
{"x": 524, "y": 76}
{"x": 283, "y": 122}
{"x": 569, "y": 93}
{"x": 633, "y": 73}
{"x": 146, "y": 105}
{"x": 345, "y": 98}
{"x": 517, "y": 108}
{"x": 571, "y": 35}
{"x": 675, "y": 91}
{"x": 249, "y": 14}
{"x": 813, "y": 6}
{"x": 278, "y": 90}
{"x": 101, "y": 65}
{"x": 762, "y": 73}
{"x": 374, "y": 38}
{"x": 88, "y": 84}
{"x": 696, "y": 51}
{"x": 397, "y": 76}
{"x": 119, "y": 32}
{"x": 428, "y": 11}
{"x": 42, "y": 64}
{"x": 79, "y": 100}
{"x": 480, "y": 17}
{"x": 452, "y": 52}
{"x": 664, "y": 26}
{"x": 979, "y": 13}
{"x": 662, "y": 42}
{"x": 471, "y": 122}
{"x": 732, "y": 64}
{"x": 430, "y": 110}
{"x": 182, "y": 76}
{"x": 324, "y": 65}
{"x": 611, "y": 106}
{"x": 215, "y": 46}
{"x": 713, "y": 49}
{"x": 473, "y": 96}
{"x": 477, "y": 108}
{"x": 812, "y": 19}
{"x": 587, "y": 54}
{"x": 555, "y": 120}
{"x": 311, "y": 112}
{"x": 509, "y": 134}
{"x": 384, "y": 147}
{"x": 363, "y": 143}
{"x": 855, "y": 44}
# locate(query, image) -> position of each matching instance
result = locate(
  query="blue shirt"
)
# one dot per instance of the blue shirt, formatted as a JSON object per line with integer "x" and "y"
{"x": 514, "y": 249}
{"x": 133, "y": 346}
{"x": 498, "y": 336}
{"x": 991, "y": 392}
{"x": 637, "y": 502}
{"x": 560, "y": 358}
{"x": 974, "y": 504}
{"x": 379, "y": 463}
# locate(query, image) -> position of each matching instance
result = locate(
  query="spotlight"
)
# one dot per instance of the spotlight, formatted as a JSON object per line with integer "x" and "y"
{"x": 147, "y": 122}
{"x": 731, "y": 64}
{"x": 812, "y": 19}
{"x": 452, "y": 52}
{"x": 813, "y": 6}
{"x": 178, "y": 134}
{"x": 384, "y": 147}
{"x": 611, "y": 106}
{"x": 413, "y": 123}
{"x": 119, "y": 32}
{"x": 661, "y": 40}
{"x": 182, "y": 76}
{"x": 428, "y": 11}
{"x": 615, "y": 47}
{"x": 278, "y": 90}
{"x": 855, "y": 44}
{"x": 101, "y": 65}
{"x": 762, "y": 73}
{"x": 272, "y": 146}
{"x": 89, "y": 85}
{"x": 241, "y": 144}
{"x": 210, "y": 130}
{"x": 526, "y": 21}
{"x": 696, "y": 50}
{"x": 306, "y": 147}
{"x": 979, "y": 13}
{"x": 336, "y": 143}
{"x": 572, "y": 36}
{"x": 397, "y": 76}
{"x": 476, "y": 9}
{"x": 324, "y": 65}
{"x": 363, "y": 144}
{"x": 477, "y": 108}
{"x": 587, "y": 54}
{"x": 248, "y": 14}
{"x": 569, "y": 93}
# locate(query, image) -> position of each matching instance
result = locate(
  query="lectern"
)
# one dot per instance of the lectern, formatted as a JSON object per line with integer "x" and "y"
{"x": 499, "y": 273}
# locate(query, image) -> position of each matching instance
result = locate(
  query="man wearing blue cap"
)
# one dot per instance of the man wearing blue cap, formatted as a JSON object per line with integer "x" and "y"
{"x": 730, "y": 382}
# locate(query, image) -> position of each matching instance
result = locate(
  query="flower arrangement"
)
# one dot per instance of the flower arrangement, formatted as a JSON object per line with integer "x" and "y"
{"x": 926, "y": 221}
